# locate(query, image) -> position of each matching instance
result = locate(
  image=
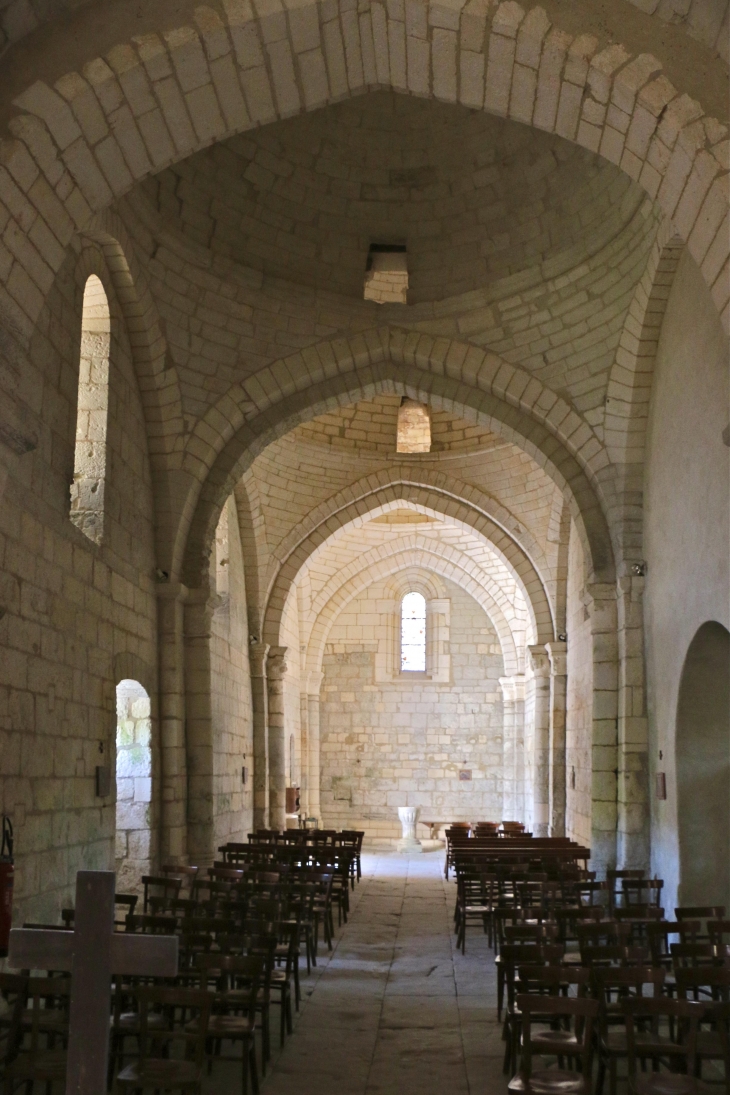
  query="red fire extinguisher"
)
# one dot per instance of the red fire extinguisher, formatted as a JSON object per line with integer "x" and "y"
{"x": 7, "y": 872}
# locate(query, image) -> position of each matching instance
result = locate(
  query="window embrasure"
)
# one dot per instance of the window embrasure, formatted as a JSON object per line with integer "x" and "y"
{"x": 87, "y": 489}
{"x": 413, "y": 633}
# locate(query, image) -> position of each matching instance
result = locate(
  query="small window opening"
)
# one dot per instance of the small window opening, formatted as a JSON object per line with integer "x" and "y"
{"x": 87, "y": 489}
{"x": 413, "y": 633}
{"x": 414, "y": 427}
{"x": 386, "y": 274}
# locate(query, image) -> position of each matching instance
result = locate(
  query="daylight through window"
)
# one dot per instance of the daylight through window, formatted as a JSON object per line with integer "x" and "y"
{"x": 413, "y": 634}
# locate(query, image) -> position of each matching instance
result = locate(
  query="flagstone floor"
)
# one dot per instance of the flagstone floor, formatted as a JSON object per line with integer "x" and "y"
{"x": 393, "y": 1009}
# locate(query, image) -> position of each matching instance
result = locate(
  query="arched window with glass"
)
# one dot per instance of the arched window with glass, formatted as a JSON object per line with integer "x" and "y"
{"x": 413, "y": 633}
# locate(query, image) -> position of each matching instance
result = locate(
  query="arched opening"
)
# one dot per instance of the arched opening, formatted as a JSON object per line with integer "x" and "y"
{"x": 87, "y": 489}
{"x": 134, "y": 785}
{"x": 703, "y": 769}
{"x": 413, "y": 633}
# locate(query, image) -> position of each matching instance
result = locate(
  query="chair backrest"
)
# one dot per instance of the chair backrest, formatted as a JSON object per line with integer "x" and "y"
{"x": 653, "y": 1009}
{"x": 613, "y": 955}
{"x": 42, "y": 993}
{"x": 580, "y": 1012}
{"x": 694, "y": 978}
{"x": 188, "y": 1014}
{"x": 692, "y": 954}
{"x": 14, "y": 991}
{"x": 718, "y": 930}
{"x": 170, "y": 886}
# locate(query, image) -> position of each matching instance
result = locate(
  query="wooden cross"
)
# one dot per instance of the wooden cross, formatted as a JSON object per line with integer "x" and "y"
{"x": 92, "y": 952}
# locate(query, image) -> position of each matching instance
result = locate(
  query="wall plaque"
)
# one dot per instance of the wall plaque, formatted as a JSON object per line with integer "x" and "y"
{"x": 465, "y": 774}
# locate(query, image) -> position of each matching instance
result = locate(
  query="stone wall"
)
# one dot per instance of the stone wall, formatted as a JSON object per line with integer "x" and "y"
{"x": 385, "y": 745}
{"x": 78, "y": 617}
{"x": 687, "y": 528}
{"x": 230, "y": 684}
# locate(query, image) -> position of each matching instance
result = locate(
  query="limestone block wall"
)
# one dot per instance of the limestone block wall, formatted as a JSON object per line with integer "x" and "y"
{"x": 391, "y": 744}
{"x": 230, "y": 683}
{"x": 687, "y": 529}
{"x": 75, "y": 615}
{"x": 579, "y": 716}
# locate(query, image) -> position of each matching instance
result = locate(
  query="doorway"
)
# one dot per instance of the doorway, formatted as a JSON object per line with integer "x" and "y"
{"x": 134, "y": 786}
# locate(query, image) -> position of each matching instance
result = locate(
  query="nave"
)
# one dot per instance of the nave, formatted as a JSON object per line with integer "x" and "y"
{"x": 395, "y": 1008}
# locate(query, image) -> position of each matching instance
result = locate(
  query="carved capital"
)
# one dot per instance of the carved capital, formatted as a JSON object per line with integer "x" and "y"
{"x": 257, "y": 657}
{"x": 276, "y": 663}
{"x": 558, "y": 655}
{"x": 539, "y": 661}
{"x": 513, "y": 688}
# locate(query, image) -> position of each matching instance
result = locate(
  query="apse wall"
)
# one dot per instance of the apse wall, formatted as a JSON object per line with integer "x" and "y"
{"x": 687, "y": 525}
{"x": 390, "y": 744}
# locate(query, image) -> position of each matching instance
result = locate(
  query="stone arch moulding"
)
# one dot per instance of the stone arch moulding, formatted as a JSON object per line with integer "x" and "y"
{"x": 413, "y": 476}
{"x": 158, "y": 385}
{"x": 446, "y": 373}
{"x": 629, "y": 385}
{"x": 170, "y": 90}
{"x": 506, "y": 550}
{"x": 424, "y": 560}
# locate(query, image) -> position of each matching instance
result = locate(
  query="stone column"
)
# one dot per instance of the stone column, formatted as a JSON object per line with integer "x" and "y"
{"x": 257, "y": 653}
{"x": 199, "y": 726}
{"x": 558, "y": 655}
{"x": 540, "y": 666}
{"x": 513, "y": 731}
{"x": 275, "y": 674}
{"x": 600, "y": 600}
{"x": 314, "y": 684}
{"x": 304, "y": 757}
{"x": 173, "y": 781}
{"x": 632, "y": 836}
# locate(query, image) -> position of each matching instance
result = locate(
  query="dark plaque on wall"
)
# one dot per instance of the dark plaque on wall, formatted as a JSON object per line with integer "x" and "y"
{"x": 103, "y": 781}
{"x": 465, "y": 774}
{"x": 661, "y": 785}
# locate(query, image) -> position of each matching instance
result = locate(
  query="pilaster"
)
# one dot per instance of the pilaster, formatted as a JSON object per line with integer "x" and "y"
{"x": 257, "y": 653}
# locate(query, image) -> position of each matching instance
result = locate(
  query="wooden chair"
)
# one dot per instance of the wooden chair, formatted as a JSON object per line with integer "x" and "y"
{"x": 42, "y": 1061}
{"x": 14, "y": 991}
{"x": 169, "y": 885}
{"x": 703, "y": 913}
{"x": 572, "y": 1039}
{"x": 550, "y": 980}
{"x": 611, "y": 987}
{"x": 476, "y": 894}
{"x": 718, "y": 931}
{"x": 613, "y": 878}
{"x": 710, "y": 985}
{"x": 158, "y": 1068}
{"x": 236, "y": 980}
{"x": 261, "y": 945}
{"x": 648, "y": 1043}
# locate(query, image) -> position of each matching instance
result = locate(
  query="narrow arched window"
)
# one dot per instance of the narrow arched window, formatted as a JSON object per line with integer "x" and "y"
{"x": 87, "y": 489}
{"x": 413, "y": 634}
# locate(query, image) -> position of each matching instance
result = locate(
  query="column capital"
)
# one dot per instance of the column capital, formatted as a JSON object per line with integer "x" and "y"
{"x": 257, "y": 658}
{"x": 314, "y": 683}
{"x": 276, "y": 663}
{"x": 539, "y": 661}
{"x": 558, "y": 655}
{"x": 172, "y": 591}
{"x": 513, "y": 688}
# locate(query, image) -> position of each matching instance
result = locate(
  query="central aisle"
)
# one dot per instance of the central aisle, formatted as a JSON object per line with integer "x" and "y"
{"x": 395, "y": 1011}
